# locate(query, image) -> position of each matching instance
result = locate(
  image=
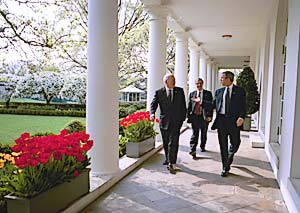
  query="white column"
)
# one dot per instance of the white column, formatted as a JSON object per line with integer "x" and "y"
{"x": 208, "y": 82}
{"x": 257, "y": 62}
{"x": 202, "y": 73}
{"x": 264, "y": 67}
{"x": 157, "y": 51}
{"x": 218, "y": 76}
{"x": 213, "y": 78}
{"x": 252, "y": 61}
{"x": 102, "y": 86}
{"x": 181, "y": 60}
{"x": 194, "y": 67}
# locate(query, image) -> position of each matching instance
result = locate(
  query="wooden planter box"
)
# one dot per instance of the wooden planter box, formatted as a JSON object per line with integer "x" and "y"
{"x": 53, "y": 200}
{"x": 136, "y": 149}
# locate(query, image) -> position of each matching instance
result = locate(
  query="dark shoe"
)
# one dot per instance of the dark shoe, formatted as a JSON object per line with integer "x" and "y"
{"x": 165, "y": 162}
{"x": 230, "y": 148}
{"x": 171, "y": 169}
{"x": 193, "y": 153}
{"x": 224, "y": 173}
{"x": 202, "y": 148}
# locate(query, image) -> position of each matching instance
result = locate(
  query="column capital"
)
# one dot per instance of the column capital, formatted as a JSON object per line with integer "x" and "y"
{"x": 203, "y": 56}
{"x": 157, "y": 12}
{"x": 194, "y": 49}
{"x": 210, "y": 60}
{"x": 151, "y": 2}
{"x": 181, "y": 36}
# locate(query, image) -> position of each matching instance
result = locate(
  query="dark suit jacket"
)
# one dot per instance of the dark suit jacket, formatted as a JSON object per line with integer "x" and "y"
{"x": 237, "y": 105}
{"x": 206, "y": 105}
{"x": 172, "y": 114}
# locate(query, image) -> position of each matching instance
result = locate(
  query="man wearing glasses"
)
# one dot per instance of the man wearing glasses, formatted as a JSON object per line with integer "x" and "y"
{"x": 199, "y": 114}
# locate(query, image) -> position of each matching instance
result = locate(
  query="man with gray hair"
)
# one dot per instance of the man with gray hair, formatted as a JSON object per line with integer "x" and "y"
{"x": 172, "y": 105}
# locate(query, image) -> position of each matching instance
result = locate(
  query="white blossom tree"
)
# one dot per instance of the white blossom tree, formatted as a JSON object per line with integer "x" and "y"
{"x": 47, "y": 84}
{"x": 8, "y": 84}
{"x": 75, "y": 89}
{"x": 50, "y": 85}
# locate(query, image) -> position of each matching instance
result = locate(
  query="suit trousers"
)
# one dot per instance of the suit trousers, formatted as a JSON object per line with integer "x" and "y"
{"x": 170, "y": 139}
{"x": 198, "y": 124}
{"x": 227, "y": 128}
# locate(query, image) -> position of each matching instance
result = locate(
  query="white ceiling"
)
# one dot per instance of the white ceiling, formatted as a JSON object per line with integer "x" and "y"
{"x": 207, "y": 20}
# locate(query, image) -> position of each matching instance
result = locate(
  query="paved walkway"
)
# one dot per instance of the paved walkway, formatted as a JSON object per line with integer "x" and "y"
{"x": 197, "y": 186}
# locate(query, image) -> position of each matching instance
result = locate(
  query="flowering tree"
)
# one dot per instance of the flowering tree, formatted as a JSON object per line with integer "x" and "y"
{"x": 75, "y": 89}
{"x": 8, "y": 84}
{"x": 50, "y": 84}
{"x": 47, "y": 84}
{"x": 55, "y": 31}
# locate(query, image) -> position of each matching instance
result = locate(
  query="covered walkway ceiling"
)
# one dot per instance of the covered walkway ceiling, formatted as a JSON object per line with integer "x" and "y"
{"x": 207, "y": 20}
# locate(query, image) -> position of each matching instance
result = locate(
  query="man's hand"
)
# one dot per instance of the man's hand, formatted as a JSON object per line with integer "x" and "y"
{"x": 197, "y": 100}
{"x": 239, "y": 122}
{"x": 208, "y": 119}
{"x": 152, "y": 117}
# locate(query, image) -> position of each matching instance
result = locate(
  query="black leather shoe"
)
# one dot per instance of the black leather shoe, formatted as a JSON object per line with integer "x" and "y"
{"x": 193, "y": 154}
{"x": 224, "y": 173}
{"x": 230, "y": 148}
{"x": 171, "y": 169}
{"x": 202, "y": 148}
{"x": 165, "y": 163}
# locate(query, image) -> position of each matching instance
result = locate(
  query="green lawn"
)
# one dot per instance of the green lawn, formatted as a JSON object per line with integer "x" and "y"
{"x": 11, "y": 126}
{"x": 24, "y": 100}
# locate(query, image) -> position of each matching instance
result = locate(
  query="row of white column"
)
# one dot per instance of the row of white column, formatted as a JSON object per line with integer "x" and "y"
{"x": 200, "y": 65}
{"x": 102, "y": 95}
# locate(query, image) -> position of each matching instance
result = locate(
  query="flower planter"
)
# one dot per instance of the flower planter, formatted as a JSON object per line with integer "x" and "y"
{"x": 53, "y": 200}
{"x": 247, "y": 123}
{"x": 136, "y": 149}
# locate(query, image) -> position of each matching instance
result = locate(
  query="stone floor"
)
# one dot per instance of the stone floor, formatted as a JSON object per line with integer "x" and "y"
{"x": 197, "y": 186}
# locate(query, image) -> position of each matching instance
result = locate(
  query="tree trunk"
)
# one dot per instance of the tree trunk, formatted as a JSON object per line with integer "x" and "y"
{"x": 7, "y": 103}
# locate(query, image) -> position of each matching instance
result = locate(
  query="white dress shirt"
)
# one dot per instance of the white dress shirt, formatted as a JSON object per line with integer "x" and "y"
{"x": 222, "y": 111}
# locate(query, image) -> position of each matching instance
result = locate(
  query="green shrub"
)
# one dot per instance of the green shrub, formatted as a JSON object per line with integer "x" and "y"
{"x": 75, "y": 126}
{"x": 42, "y": 134}
{"x": 5, "y": 148}
{"x": 43, "y": 112}
{"x": 128, "y": 108}
{"x": 122, "y": 145}
{"x": 246, "y": 80}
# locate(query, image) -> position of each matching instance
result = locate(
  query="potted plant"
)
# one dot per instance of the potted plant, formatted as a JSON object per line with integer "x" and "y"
{"x": 46, "y": 173}
{"x": 139, "y": 133}
{"x": 246, "y": 80}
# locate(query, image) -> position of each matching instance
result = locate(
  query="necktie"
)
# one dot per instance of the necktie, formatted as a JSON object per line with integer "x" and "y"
{"x": 197, "y": 106}
{"x": 227, "y": 101}
{"x": 170, "y": 95}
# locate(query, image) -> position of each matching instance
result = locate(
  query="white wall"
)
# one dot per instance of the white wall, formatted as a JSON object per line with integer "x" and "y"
{"x": 289, "y": 154}
{"x": 277, "y": 39}
{"x": 289, "y": 158}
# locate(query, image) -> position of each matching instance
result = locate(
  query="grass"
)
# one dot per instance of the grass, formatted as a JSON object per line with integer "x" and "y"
{"x": 11, "y": 126}
{"x": 23, "y": 100}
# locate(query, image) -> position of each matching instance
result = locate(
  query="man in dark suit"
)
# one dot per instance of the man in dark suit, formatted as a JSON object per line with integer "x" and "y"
{"x": 230, "y": 104}
{"x": 199, "y": 113}
{"x": 172, "y": 105}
